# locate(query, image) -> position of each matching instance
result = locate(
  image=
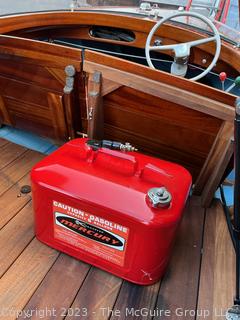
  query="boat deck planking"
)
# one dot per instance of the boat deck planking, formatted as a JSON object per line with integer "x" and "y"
{"x": 36, "y": 277}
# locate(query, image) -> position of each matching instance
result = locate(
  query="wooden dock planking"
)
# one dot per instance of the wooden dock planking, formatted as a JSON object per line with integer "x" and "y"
{"x": 24, "y": 276}
{"x": 10, "y": 152}
{"x": 133, "y": 297}
{"x": 174, "y": 291}
{"x": 217, "y": 278}
{"x": 13, "y": 172}
{"x": 36, "y": 277}
{"x": 179, "y": 288}
{"x": 15, "y": 236}
{"x": 3, "y": 142}
{"x": 97, "y": 294}
{"x": 12, "y": 201}
{"x": 59, "y": 288}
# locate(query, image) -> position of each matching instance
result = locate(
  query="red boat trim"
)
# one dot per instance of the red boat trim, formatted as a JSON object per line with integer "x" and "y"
{"x": 220, "y": 10}
{"x": 225, "y": 12}
{"x": 189, "y": 5}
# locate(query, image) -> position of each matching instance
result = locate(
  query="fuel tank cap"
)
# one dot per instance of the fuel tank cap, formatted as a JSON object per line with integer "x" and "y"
{"x": 159, "y": 197}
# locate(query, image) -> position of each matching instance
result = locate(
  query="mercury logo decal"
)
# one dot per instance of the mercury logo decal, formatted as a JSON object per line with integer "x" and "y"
{"x": 90, "y": 231}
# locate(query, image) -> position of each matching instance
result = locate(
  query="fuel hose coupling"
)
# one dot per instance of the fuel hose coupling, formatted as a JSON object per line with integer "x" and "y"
{"x": 108, "y": 144}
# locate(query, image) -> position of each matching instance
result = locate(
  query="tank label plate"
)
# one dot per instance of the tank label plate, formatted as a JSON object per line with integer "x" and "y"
{"x": 93, "y": 234}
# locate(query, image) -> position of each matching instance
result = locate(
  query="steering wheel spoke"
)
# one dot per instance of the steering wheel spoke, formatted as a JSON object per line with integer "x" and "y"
{"x": 182, "y": 50}
{"x": 163, "y": 48}
{"x": 201, "y": 41}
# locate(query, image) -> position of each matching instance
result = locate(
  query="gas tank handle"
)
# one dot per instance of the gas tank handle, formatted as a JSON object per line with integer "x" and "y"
{"x": 120, "y": 162}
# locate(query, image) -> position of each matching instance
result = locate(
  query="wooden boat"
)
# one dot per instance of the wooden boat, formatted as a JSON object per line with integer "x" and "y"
{"x": 67, "y": 74}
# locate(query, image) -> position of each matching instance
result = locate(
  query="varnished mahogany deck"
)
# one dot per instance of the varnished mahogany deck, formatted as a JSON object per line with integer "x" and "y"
{"x": 45, "y": 283}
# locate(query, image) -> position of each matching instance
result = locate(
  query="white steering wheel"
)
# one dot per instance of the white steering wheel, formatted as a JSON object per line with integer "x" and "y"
{"x": 182, "y": 50}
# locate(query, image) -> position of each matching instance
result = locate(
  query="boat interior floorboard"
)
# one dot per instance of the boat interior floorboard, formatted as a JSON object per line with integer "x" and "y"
{"x": 38, "y": 281}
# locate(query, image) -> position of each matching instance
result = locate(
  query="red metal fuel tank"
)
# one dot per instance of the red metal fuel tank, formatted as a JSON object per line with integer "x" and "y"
{"x": 116, "y": 210}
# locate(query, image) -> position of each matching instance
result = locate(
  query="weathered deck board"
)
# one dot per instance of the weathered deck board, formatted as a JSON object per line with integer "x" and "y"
{"x": 15, "y": 236}
{"x": 52, "y": 293}
{"x": 132, "y": 298}
{"x": 17, "y": 169}
{"x": 3, "y": 142}
{"x": 36, "y": 277}
{"x": 179, "y": 287}
{"x": 217, "y": 279}
{"x": 24, "y": 276}
{"x": 97, "y": 295}
{"x": 11, "y": 202}
{"x": 10, "y": 152}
